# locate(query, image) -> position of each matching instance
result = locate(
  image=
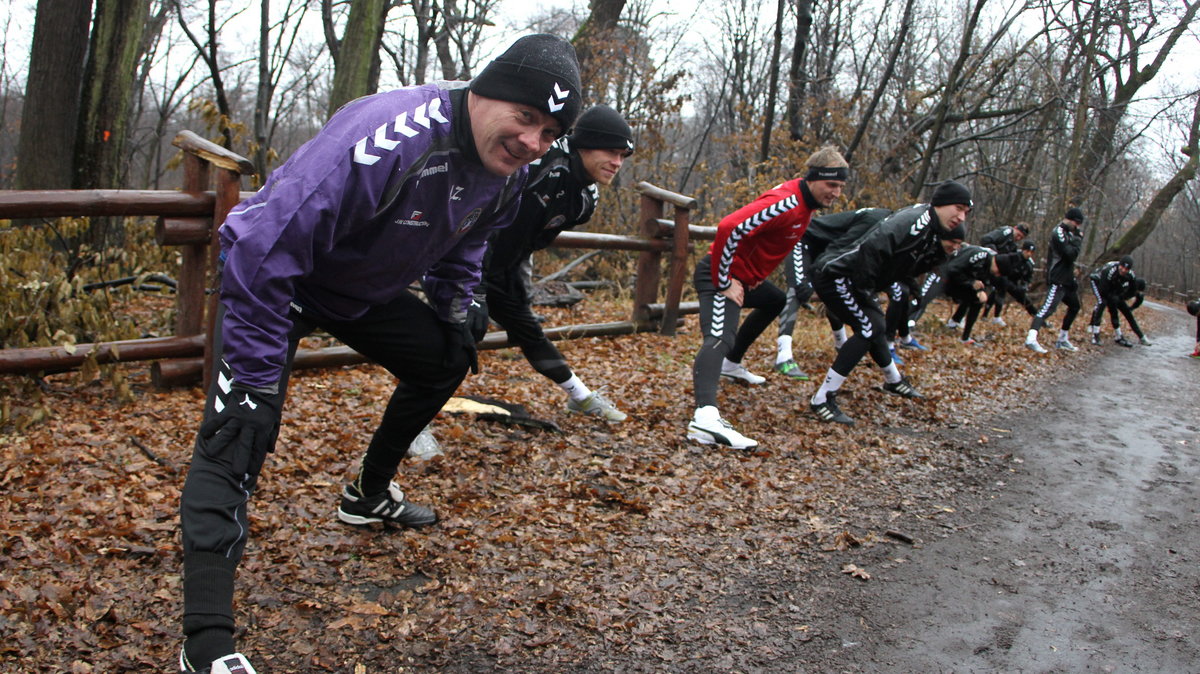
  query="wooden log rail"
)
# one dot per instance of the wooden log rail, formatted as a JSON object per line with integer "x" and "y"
{"x": 190, "y": 219}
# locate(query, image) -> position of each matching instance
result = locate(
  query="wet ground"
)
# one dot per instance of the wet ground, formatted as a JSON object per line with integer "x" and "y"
{"x": 1085, "y": 559}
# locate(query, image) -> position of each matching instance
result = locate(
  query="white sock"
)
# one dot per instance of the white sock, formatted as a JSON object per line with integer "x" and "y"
{"x": 706, "y": 413}
{"x": 729, "y": 366}
{"x": 905, "y": 339}
{"x": 839, "y": 338}
{"x": 1095, "y": 329}
{"x": 833, "y": 382}
{"x": 576, "y": 389}
{"x": 784, "y": 353}
{"x": 891, "y": 346}
{"x": 1116, "y": 333}
{"x": 1063, "y": 335}
{"x": 891, "y": 373}
{"x": 1032, "y": 337}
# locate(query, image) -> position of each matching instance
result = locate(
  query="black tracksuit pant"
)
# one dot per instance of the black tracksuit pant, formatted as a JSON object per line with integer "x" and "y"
{"x": 859, "y": 310}
{"x": 718, "y": 322}
{"x": 405, "y": 337}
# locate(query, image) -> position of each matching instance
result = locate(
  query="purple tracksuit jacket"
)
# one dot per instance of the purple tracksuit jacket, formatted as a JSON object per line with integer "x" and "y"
{"x": 388, "y": 193}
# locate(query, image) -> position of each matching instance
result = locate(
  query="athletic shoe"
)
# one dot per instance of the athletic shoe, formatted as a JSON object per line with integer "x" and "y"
{"x": 999, "y": 321}
{"x": 1196, "y": 353}
{"x": 903, "y": 389}
{"x": 912, "y": 343}
{"x": 951, "y": 324}
{"x": 791, "y": 370}
{"x": 1035, "y": 347}
{"x": 387, "y": 506}
{"x": 829, "y": 411}
{"x": 235, "y": 663}
{"x": 740, "y": 373}
{"x": 1145, "y": 342}
{"x": 1124, "y": 341}
{"x": 708, "y": 428}
{"x": 1065, "y": 345}
{"x": 1096, "y": 338}
{"x": 970, "y": 341}
{"x": 896, "y": 357}
{"x": 596, "y": 405}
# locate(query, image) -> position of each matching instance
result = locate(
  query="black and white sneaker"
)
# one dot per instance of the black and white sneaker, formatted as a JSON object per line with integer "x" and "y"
{"x": 1124, "y": 341}
{"x": 708, "y": 428}
{"x": 234, "y": 663}
{"x": 388, "y": 506}
{"x": 829, "y": 410}
{"x": 903, "y": 389}
{"x": 1096, "y": 338}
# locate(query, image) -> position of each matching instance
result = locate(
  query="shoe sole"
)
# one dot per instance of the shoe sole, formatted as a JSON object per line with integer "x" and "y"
{"x": 743, "y": 380}
{"x": 710, "y": 438}
{"x": 600, "y": 415}
{"x": 360, "y": 520}
{"x": 843, "y": 420}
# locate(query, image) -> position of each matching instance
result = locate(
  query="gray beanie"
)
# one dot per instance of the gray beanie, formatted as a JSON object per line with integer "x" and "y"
{"x": 540, "y": 71}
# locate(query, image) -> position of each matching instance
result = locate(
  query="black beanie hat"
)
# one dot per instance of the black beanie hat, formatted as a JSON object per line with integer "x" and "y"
{"x": 1028, "y": 245}
{"x": 1022, "y": 228}
{"x": 1074, "y": 214}
{"x": 602, "y": 127}
{"x": 951, "y": 192}
{"x": 1126, "y": 262}
{"x": 540, "y": 71}
{"x": 1008, "y": 262}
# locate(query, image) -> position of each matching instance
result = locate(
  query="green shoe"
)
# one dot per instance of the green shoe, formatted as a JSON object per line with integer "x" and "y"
{"x": 791, "y": 370}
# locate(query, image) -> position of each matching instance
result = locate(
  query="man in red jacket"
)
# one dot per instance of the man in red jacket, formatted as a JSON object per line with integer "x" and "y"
{"x": 750, "y": 243}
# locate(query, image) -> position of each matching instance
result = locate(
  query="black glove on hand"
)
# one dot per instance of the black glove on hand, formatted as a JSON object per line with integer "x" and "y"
{"x": 477, "y": 319}
{"x": 244, "y": 429}
{"x": 459, "y": 337}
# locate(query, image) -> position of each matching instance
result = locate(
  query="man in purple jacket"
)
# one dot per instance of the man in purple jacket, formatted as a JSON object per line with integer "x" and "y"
{"x": 399, "y": 187}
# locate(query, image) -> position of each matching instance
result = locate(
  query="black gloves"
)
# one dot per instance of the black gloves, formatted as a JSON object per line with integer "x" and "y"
{"x": 467, "y": 334}
{"x": 242, "y": 429}
{"x": 477, "y": 319}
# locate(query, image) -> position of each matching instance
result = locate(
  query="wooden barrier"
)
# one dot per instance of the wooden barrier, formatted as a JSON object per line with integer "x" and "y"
{"x": 191, "y": 217}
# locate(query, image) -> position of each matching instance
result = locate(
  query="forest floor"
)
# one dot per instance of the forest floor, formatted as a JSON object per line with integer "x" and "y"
{"x": 1032, "y": 514}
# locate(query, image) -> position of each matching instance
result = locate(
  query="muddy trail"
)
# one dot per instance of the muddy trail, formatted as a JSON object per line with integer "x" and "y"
{"x": 1084, "y": 558}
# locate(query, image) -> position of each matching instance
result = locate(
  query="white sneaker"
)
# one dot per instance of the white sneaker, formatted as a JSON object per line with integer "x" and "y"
{"x": 708, "y": 428}
{"x": 998, "y": 321}
{"x": 1035, "y": 347}
{"x": 234, "y": 663}
{"x": 596, "y": 405}
{"x": 1065, "y": 345}
{"x": 740, "y": 373}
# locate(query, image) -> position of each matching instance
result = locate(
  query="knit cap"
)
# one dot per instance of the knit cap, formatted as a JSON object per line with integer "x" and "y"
{"x": 540, "y": 71}
{"x": 602, "y": 127}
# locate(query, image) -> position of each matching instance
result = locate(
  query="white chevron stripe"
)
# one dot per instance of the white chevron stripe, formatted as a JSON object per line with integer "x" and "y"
{"x": 401, "y": 125}
{"x": 361, "y": 156}
{"x": 435, "y": 111}
{"x": 382, "y": 141}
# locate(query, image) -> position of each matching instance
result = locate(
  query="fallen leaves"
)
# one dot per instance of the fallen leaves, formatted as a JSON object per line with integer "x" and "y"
{"x": 603, "y": 544}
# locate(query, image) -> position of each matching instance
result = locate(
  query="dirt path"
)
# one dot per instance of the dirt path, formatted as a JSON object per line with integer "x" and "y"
{"x": 1087, "y": 557}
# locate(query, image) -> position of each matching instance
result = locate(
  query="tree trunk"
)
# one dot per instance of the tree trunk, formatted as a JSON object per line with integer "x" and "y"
{"x": 1145, "y": 225}
{"x": 773, "y": 87}
{"x": 262, "y": 98}
{"x": 106, "y": 104}
{"x": 889, "y": 70}
{"x": 798, "y": 81}
{"x": 51, "y": 111}
{"x": 593, "y": 40}
{"x": 358, "y": 57}
{"x": 943, "y": 106}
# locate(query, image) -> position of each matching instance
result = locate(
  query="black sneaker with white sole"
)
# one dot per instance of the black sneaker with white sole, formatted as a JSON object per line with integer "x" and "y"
{"x": 829, "y": 410}
{"x": 388, "y": 506}
{"x": 903, "y": 389}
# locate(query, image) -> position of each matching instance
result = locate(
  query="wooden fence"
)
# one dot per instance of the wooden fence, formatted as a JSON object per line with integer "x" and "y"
{"x": 212, "y": 187}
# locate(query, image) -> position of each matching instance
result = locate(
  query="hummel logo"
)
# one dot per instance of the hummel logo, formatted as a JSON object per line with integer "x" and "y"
{"x": 558, "y": 99}
{"x": 249, "y": 403}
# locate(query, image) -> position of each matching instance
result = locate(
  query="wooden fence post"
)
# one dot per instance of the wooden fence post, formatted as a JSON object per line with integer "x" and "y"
{"x": 190, "y": 287}
{"x": 645, "y": 290}
{"x": 229, "y": 170}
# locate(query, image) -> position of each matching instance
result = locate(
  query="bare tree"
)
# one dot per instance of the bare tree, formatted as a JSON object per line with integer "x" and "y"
{"x": 356, "y": 61}
{"x": 50, "y": 115}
